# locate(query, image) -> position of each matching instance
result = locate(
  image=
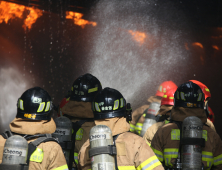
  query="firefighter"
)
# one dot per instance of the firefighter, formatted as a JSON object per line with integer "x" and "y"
{"x": 109, "y": 108}
{"x": 33, "y": 121}
{"x": 136, "y": 124}
{"x": 188, "y": 102}
{"x": 207, "y": 95}
{"x": 79, "y": 111}
{"x": 167, "y": 103}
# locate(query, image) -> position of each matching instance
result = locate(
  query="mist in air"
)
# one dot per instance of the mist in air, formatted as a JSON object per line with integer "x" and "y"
{"x": 12, "y": 85}
{"x": 137, "y": 45}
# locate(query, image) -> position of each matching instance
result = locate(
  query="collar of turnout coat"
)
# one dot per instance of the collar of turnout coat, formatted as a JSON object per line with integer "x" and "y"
{"x": 164, "y": 110}
{"x": 180, "y": 113}
{"x": 30, "y": 127}
{"x": 78, "y": 109}
{"x": 154, "y": 99}
{"x": 117, "y": 125}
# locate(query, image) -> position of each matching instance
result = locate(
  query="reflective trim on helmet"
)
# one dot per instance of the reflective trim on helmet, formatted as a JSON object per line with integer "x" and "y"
{"x": 93, "y": 90}
{"x": 199, "y": 97}
{"x": 159, "y": 154}
{"x": 160, "y": 88}
{"x": 41, "y": 107}
{"x": 164, "y": 96}
{"x": 149, "y": 164}
{"x": 171, "y": 97}
{"x": 97, "y": 107}
{"x": 182, "y": 96}
{"x": 64, "y": 167}
{"x": 126, "y": 168}
{"x": 116, "y": 104}
{"x": 37, "y": 155}
{"x": 208, "y": 90}
{"x": 121, "y": 102}
{"x": 47, "y": 106}
{"x": 21, "y": 104}
{"x": 178, "y": 95}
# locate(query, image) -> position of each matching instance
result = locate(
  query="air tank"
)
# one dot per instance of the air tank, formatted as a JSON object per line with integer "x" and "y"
{"x": 15, "y": 150}
{"x": 192, "y": 154}
{"x": 150, "y": 117}
{"x": 101, "y": 135}
{"x": 63, "y": 133}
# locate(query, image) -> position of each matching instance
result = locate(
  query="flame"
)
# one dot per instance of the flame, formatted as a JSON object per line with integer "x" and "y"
{"x": 138, "y": 36}
{"x": 34, "y": 14}
{"x": 197, "y": 44}
{"x": 10, "y": 10}
{"x": 215, "y": 47}
{"x": 77, "y": 17}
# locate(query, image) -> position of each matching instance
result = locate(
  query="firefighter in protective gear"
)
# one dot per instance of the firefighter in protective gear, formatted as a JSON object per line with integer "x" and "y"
{"x": 188, "y": 101}
{"x": 78, "y": 109}
{"x": 165, "y": 86}
{"x": 109, "y": 108}
{"x": 33, "y": 120}
{"x": 207, "y": 95}
{"x": 167, "y": 103}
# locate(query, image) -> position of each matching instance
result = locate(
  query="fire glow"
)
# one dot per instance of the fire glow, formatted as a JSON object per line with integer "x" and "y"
{"x": 138, "y": 36}
{"x": 11, "y": 11}
{"x": 77, "y": 17}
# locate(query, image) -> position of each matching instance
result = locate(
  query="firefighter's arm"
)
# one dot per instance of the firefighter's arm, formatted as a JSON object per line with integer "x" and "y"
{"x": 156, "y": 145}
{"x": 83, "y": 157}
{"x": 217, "y": 153}
{"x": 57, "y": 159}
{"x": 146, "y": 158}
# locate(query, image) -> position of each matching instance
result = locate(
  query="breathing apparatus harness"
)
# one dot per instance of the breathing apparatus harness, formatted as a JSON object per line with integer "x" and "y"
{"x": 31, "y": 146}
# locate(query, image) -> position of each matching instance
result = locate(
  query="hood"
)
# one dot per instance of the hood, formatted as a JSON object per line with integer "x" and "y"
{"x": 154, "y": 99}
{"x": 180, "y": 113}
{"x": 78, "y": 109}
{"x": 30, "y": 127}
{"x": 117, "y": 124}
{"x": 164, "y": 110}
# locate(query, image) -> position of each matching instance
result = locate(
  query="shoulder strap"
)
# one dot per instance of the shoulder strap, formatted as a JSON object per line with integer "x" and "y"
{"x": 33, "y": 145}
{"x": 7, "y": 134}
{"x": 114, "y": 143}
{"x": 76, "y": 126}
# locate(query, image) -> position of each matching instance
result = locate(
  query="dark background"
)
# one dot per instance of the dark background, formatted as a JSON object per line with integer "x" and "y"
{"x": 55, "y": 51}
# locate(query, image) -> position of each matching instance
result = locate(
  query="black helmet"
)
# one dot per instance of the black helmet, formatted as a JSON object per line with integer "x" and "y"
{"x": 85, "y": 88}
{"x": 189, "y": 95}
{"x": 109, "y": 103}
{"x": 35, "y": 104}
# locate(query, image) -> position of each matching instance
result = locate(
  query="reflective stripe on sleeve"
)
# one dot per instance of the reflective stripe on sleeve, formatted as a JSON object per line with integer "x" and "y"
{"x": 126, "y": 168}
{"x": 132, "y": 127}
{"x": 170, "y": 153}
{"x": 139, "y": 127}
{"x": 218, "y": 160}
{"x": 64, "y": 167}
{"x": 149, "y": 164}
{"x": 159, "y": 154}
{"x": 76, "y": 157}
{"x": 208, "y": 157}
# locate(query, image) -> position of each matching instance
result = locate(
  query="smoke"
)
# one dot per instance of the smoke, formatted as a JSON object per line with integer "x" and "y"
{"x": 123, "y": 59}
{"x": 12, "y": 85}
